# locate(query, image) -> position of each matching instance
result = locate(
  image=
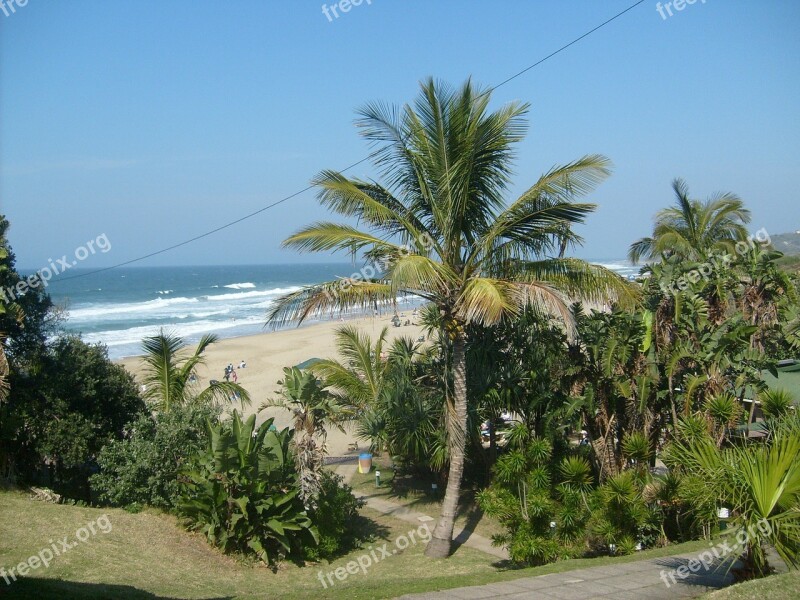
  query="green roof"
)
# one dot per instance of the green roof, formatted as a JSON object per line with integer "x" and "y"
{"x": 788, "y": 379}
{"x": 307, "y": 363}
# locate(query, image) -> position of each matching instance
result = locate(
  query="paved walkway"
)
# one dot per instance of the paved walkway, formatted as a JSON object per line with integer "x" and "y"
{"x": 640, "y": 580}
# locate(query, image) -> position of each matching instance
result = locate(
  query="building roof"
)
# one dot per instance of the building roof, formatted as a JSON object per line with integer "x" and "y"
{"x": 788, "y": 378}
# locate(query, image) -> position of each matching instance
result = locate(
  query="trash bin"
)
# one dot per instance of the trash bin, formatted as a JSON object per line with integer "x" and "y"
{"x": 364, "y": 463}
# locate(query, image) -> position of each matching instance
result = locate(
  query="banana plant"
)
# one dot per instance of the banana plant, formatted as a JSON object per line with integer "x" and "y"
{"x": 242, "y": 492}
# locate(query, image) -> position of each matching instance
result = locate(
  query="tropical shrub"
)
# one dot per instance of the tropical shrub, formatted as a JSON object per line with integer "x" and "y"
{"x": 622, "y": 517}
{"x": 242, "y": 492}
{"x": 760, "y": 484}
{"x": 336, "y": 518}
{"x": 312, "y": 407}
{"x": 170, "y": 374}
{"x": 62, "y": 411}
{"x": 776, "y": 403}
{"x": 543, "y": 522}
{"x": 143, "y": 467}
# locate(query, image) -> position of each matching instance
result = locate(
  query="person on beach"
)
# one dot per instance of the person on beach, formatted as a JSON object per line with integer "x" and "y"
{"x": 235, "y": 376}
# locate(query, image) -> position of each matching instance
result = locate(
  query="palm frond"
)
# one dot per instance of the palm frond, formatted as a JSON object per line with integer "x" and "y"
{"x": 580, "y": 281}
{"x": 332, "y": 296}
{"x": 326, "y": 237}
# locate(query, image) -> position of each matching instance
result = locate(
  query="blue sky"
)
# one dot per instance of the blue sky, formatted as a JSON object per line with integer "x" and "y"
{"x": 152, "y": 122}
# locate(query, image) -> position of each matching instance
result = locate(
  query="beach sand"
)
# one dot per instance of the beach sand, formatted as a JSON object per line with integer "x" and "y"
{"x": 268, "y": 353}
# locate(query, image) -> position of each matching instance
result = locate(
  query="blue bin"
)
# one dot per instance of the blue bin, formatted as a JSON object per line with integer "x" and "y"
{"x": 364, "y": 463}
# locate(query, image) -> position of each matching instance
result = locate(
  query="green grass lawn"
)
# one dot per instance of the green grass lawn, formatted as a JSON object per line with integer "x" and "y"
{"x": 148, "y": 555}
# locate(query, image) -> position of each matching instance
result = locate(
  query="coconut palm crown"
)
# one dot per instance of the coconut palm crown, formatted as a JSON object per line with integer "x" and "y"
{"x": 693, "y": 230}
{"x": 439, "y": 226}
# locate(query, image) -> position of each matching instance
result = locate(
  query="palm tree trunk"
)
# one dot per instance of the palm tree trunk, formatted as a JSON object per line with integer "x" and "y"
{"x": 441, "y": 541}
{"x": 492, "y": 442}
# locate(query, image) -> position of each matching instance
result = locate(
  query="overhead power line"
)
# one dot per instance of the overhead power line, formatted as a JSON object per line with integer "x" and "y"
{"x": 349, "y": 167}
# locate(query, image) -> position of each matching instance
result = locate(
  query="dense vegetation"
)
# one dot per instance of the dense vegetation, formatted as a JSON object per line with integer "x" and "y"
{"x": 560, "y": 345}
{"x": 73, "y": 421}
{"x": 591, "y": 415}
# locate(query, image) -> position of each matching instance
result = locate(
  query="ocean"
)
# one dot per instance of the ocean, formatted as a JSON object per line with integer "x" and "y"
{"x": 122, "y": 306}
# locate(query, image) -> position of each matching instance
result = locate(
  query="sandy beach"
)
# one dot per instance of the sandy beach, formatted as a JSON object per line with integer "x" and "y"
{"x": 268, "y": 353}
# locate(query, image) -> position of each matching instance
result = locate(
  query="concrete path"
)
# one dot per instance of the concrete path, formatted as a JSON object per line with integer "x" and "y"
{"x": 653, "y": 579}
{"x": 462, "y": 535}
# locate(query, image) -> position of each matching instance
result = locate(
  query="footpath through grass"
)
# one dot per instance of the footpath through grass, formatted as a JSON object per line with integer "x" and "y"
{"x": 418, "y": 495}
{"x": 148, "y": 555}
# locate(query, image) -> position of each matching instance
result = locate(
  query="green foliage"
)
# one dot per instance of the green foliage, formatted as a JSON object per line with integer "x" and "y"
{"x": 776, "y": 403}
{"x": 542, "y": 523}
{"x": 169, "y": 373}
{"x": 336, "y": 517}
{"x": 312, "y": 407}
{"x": 693, "y": 229}
{"x": 622, "y": 515}
{"x": 63, "y": 411}
{"x": 143, "y": 467}
{"x": 404, "y": 414}
{"x": 761, "y": 486}
{"x": 636, "y": 448}
{"x": 723, "y": 409}
{"x": 521, "y": 365}
{"x": 242, "y": 494}
{"x": 362, "y": 376}
{"x": 575, "y": 473}
{"x": 29, "y": 318}
{"x": 619, "y": 387}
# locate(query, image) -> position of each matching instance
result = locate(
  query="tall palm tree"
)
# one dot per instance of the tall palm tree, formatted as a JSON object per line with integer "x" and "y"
{"x": 169, "y": 374}
{"x": 439, "y": 227}
{"x": 692, "y": 229}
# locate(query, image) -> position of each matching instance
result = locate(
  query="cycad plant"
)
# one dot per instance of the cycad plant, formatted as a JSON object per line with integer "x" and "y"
{"x": 439, "y": 227}
{"x": 169, "y": 374}
{"x": 761, "y": 483}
